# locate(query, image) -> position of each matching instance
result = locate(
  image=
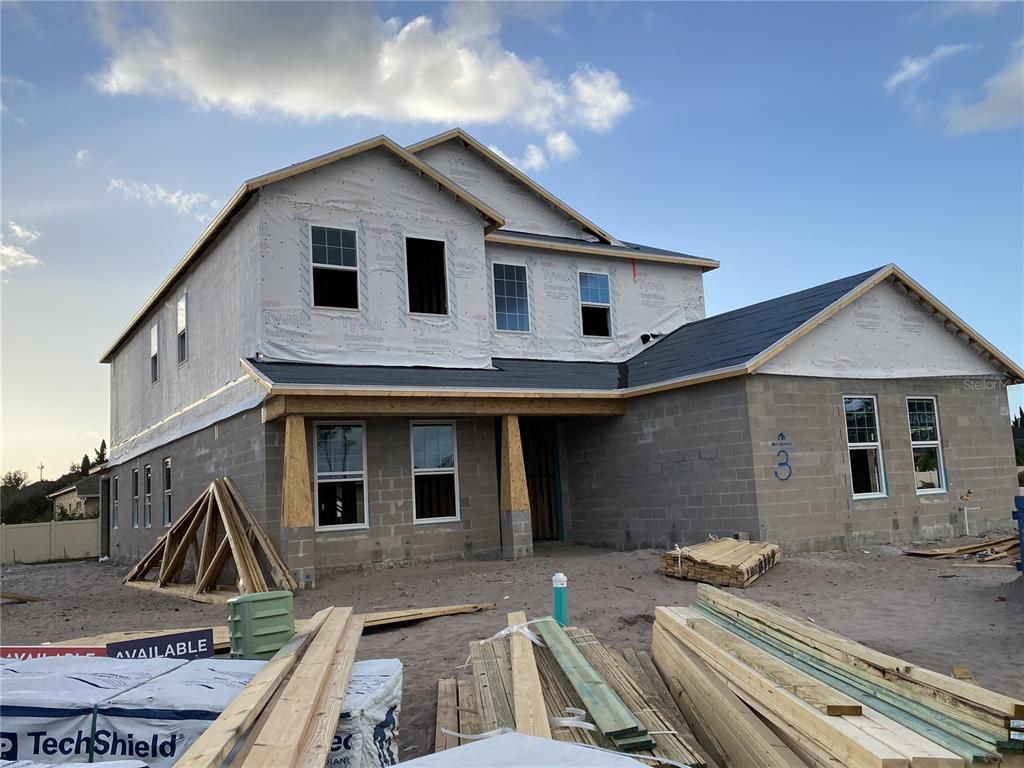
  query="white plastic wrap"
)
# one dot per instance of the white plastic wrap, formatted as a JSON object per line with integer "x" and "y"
{"x": 882, "y": 335}
{"x": 515, "y": 750}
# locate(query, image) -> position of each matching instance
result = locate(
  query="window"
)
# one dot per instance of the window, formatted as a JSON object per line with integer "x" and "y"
{"x": 335, "y": 268}
{"x": 923, "y": 415}
{"x": 428, "y": 288}
{"x": 135, "y": 498}
{"x": 182, "y": 328}
{"x": 511, "y": 307}
{"x": 167, "y": 493}
{"x": 340, "y": 476}
{"x": 113, "y": 502}
{"x": 434, "y": 472}
{"x": 595, "y": 304}
{"x": 154, "y": 354}
{"x": 147, "y": 503}
{"x": 866, "y": 468}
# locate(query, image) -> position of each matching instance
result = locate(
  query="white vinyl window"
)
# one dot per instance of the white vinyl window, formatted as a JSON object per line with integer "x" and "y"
{"x": 511, "y": 301}
{"x": 113, "y": 502}
{"x": 147, "y": 502}
{"x": 335, "y": 268}
{"x": 595, "y": 305}
{"x": 340, "y": 476}
{"x": 154, "y": 354}
{"x": 182, "y": 329}
{"x": 867, "y": 473}
{"x": 435, "y": 475}
{"x": 166, "y": 517}
{"x": 929, "y": 474}
{"x": 135, "y": 498}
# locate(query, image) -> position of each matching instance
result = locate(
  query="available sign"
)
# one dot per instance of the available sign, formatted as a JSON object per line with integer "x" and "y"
{"x": 23, "y": 652}
{"x": 197, "y": 644}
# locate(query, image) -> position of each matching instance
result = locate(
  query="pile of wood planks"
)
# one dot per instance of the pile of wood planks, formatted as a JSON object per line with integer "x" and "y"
{"x": 287, "y": 715}
{"x": 723, "y": 562}
{"x": 818, "y": 698}
{"x": 219, "y": 526}
{"x": 534, "y": 688}
{"x": 999, "y": 548}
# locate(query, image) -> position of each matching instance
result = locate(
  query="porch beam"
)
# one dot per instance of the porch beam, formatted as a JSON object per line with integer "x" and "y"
{"x": 297, "y": 511}
{"x": 278, "y": 406}
{"x": 514, "y": 499}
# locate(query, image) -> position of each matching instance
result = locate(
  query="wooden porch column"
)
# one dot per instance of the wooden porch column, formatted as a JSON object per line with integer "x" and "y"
{"x": 514, "y": 504}
{"x": 297, "y": 533}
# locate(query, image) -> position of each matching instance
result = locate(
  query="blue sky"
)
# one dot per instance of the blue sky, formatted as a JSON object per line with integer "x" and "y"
{"x": 794, "y": 142}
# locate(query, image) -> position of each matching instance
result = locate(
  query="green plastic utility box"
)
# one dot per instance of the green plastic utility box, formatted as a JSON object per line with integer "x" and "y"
{"x": 259, "y": 624}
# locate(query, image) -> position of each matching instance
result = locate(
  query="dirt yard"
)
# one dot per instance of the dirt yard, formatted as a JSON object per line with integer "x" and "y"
{"x": 930, "y": 612}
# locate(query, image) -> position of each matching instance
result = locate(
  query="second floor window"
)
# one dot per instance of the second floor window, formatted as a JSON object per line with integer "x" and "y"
{"x": 113, "y": 502}
{"x": 135, "y": 498}
{"x": 182, "y": 329}
{"x": 154, "y": 354}
{"x": 167, "y": 493}
{"x": 147, "y": 505}
{"x": 428, "y": 285}
{"x": 595, "y": 304}
{"x": 335, "y": 268}
{"x": 511, "y": 306}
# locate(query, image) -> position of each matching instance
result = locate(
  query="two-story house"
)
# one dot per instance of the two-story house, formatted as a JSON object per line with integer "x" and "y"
{"x": 419, "y": 353}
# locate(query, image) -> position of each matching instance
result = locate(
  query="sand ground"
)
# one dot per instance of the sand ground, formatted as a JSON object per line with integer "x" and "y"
{"x": 930, "y": 612}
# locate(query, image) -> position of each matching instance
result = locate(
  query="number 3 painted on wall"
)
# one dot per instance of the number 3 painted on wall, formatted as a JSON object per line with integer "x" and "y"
{"x": 783, "y": 465}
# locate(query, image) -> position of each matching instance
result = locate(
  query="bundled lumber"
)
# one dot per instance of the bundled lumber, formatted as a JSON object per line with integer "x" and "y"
{"x": 725, "y": 562}
{"x": 288, "y": 713}
{"x": 536, "y": 688}
{"x": 219, "y": 509}
{"x": 800, "y": 680}
{"x": 990, "y": 546}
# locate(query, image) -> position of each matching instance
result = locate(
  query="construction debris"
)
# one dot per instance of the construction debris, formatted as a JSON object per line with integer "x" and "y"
{"x": 16, "y": 598}
{"x": 537, "y": 677}
{"x": 222, "y": 642}
{"x": 984, "y": 551}
{"x": 723, "y": 562}
{"x": 820, "y": 698}
{"x": 220, "y": 506}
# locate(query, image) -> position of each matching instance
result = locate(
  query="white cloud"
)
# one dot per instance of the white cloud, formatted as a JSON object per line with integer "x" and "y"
{"x": 1000, "y": 108}
{"x": 82, "y": 158}
{"x": 13, "y": 256}
{"x": 942, "y": 11}
{"x": 25, "y": 234}
{"x": 915, "y": 69}
{"x": 318, "y": 61}
{"x": 561, "y": 146}
{"x": 533, "y": 158}
{"x": 193, "y": 203}
{"x": 9, "y": 86}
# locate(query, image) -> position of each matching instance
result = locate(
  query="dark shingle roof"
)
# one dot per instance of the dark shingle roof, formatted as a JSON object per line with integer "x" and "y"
{"x": 735, "y": 337}
{"x": 626, "y": 249}
{"x": 722, "y": 341}
{"x": 506, "y": 374}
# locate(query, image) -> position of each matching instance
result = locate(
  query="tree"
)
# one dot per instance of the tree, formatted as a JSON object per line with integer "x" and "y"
{"x": 75, "y": 469}
{"x": 13, "y": 481}
{"x": 1018, "y": 420}
{"x": 101, "y": 452}
{"x": 85, "y": 466}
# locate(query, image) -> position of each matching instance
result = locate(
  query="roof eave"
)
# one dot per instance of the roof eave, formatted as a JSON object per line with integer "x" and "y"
{"x": 706, "y": 265}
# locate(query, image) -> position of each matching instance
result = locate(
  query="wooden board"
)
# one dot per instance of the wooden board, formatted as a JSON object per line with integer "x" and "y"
{"x": 963, "y": 549}
{"x": 222, "y": 595}
{"x": 725, "y": 562}
{"x": 528, "y": 698}
{"x": 447, "y": 714}
{"x": 469, "y": 711}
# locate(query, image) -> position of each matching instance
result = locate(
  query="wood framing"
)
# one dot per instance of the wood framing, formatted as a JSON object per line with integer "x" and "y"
{"x": 297, "y": 504}
{"x": 515, "y": 495}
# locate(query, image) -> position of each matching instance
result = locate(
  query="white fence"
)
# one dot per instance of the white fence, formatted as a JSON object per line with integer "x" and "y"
{"x": 40, "y": 542}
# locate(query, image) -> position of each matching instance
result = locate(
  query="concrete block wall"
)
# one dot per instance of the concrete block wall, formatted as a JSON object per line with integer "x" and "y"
{"x": 234, "y": 447}
{"x": 814, "y": 508}
{"x": 674, "y": 469}
{"x": 392, "y": 536}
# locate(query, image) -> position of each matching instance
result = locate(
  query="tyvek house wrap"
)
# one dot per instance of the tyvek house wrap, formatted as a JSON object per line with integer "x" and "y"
{"x": 378, "y": 198}
{"x": 881, "y": 335}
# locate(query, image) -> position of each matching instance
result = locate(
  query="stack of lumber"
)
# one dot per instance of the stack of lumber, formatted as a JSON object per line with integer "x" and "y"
{"x": 534, "y": 688}
{"x": 184, "y": 548}
{"x": 287, "y": 715}
{"x": 819, "y": 698}
{"x": 724, "y": 562}
{"x": 983, "y": 551}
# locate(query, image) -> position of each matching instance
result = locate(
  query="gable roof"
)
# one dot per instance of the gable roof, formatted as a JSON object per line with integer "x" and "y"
{"x": 624, "y": 251}
{"x": 248, "y": 188}
{"x": 507, "y": 167}
{"x": 731, "y": 344}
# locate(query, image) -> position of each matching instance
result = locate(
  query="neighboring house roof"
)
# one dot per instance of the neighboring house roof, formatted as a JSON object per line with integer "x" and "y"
{"x": 503, "y": 164}
{"x": 88, "y": 486}
{"x": 533, "y": 375}
{"x": 730, "y": 344}
{"x": 625, "y": 250}
{"x": 61, "y": 492}
{"x": 248, "y": 188}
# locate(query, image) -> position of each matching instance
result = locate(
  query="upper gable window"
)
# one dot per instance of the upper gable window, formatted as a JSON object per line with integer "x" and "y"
{"x": 511, "y": 305}
{"x": 595, "y": 304}
{"x": 335, "y": 268}
{"x": 182, "y": 329}
{"x": 428, "y": 285}
{"x": 154, "y": 354}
